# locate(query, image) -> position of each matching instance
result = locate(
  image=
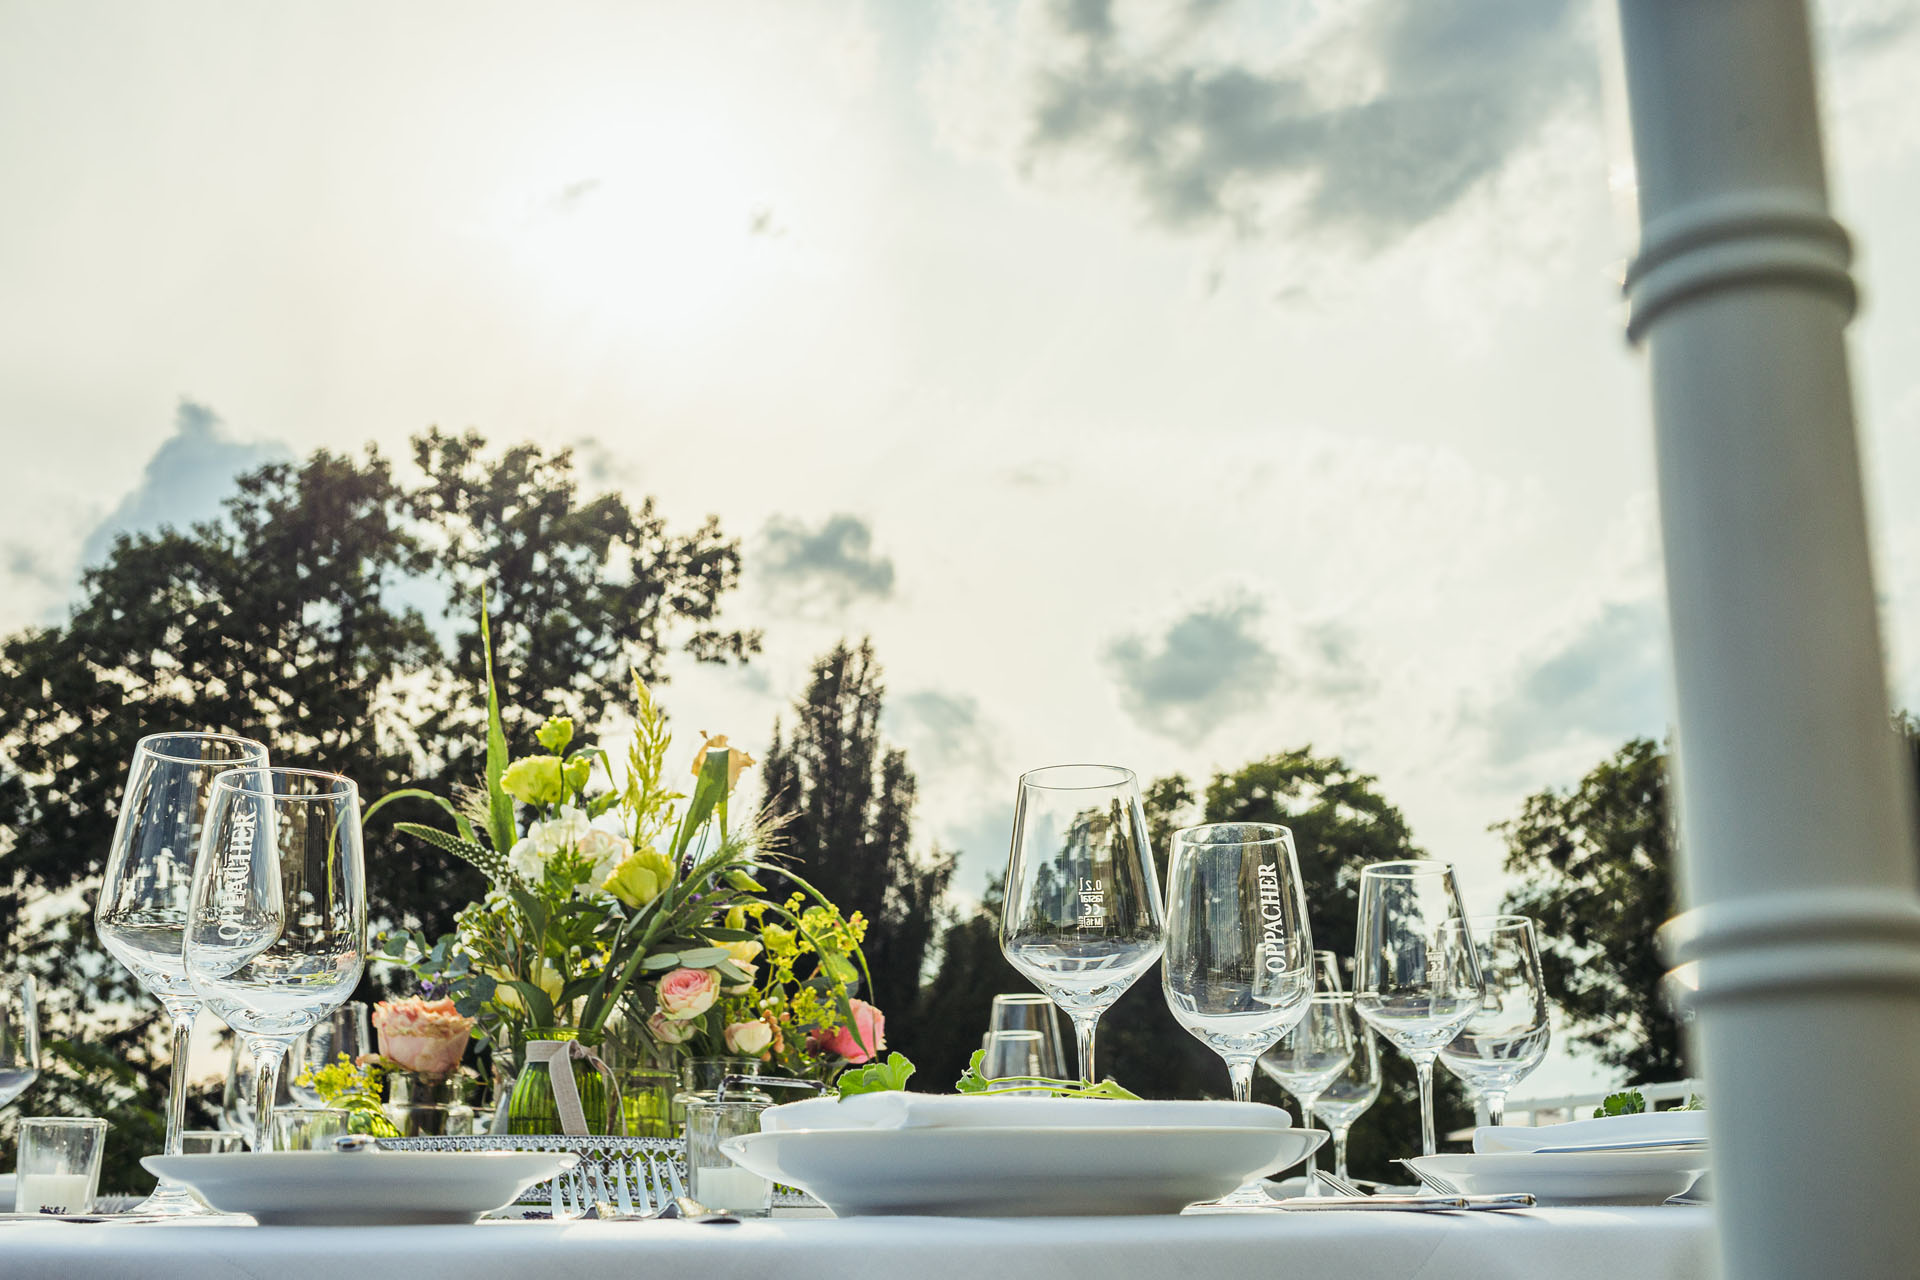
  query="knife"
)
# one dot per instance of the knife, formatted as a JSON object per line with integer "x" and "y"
{"x": 1417, "y": 1204}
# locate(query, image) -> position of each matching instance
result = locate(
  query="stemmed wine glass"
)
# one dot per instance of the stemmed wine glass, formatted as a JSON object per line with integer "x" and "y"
{"x": 1318, "y": 1048}
{"x": 1083, "y": 918}
{"x": 141, "y": 913}
{"x": 1346, "y": 1097}
{"x": 1416, "y": 980}
{"x": 19, "y": 1036}
{"x": 277, "y": 928}
{"x": 1239, "y": 964}
{"x": 1506, "y": 1038}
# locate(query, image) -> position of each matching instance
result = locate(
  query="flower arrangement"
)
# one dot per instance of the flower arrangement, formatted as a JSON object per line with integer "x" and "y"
{"x": 617, "y": 903}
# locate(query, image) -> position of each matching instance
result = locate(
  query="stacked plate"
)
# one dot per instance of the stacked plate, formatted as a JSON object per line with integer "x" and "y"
{"x": 948, "y": 1155}
{"x": 1640, "y": 1159}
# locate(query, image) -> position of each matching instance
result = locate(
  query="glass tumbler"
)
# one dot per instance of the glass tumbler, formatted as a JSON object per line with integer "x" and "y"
{"x": 59, "y": 1164}
{"x": 716, "y": 1181}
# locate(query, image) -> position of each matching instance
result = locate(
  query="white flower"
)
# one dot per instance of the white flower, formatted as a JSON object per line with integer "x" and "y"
{"x": 526, "y": 860}
{"x": 564, "y": 831}
{"x": 605, "y": 845}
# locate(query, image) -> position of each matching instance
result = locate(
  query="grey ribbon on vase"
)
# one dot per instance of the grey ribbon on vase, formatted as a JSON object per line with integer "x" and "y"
{"x": 566, "y": 1094}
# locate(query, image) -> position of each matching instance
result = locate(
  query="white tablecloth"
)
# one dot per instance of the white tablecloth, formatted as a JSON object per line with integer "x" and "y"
{"x": 1539, "y": 1244}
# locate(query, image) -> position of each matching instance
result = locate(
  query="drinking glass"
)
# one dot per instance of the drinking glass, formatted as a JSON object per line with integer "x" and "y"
{"x": 237, "y": 1093}
{"x": 1031, "y": 1011}
{"x": 1083, "y": 918}
{"x": 713, "y": 1177}
{"x": 342, "y": 1032}
{"x": 210, "y": 1142}
{"x": 1305, "y": 1060}
{"x": 1346, "y": 1097}
{"x": 141, "y": 913}
{"x": 1416, "y": 980}
{"x": 19, "y": 1036}
{"x": 307, "y": 1128}
{"x": 1506, "y": 1038}
{"x": 58, "y": 1170}
{"x": 1013, "y": 1054}
{"x": 277, "y": 926}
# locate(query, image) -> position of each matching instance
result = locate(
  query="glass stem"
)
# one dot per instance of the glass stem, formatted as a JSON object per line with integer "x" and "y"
{"x": 183, "y": 1015}
{"x": 1240, "y": 1071}
{"x": 267, "y": 1057}
{"x": 1083, "y": 1028}
{"x": 1496, "y": 1100}
{"x": 1306, "y": 1122}
{"x": 1423, "y": 1067}
{"x": 1340, "y": 1151}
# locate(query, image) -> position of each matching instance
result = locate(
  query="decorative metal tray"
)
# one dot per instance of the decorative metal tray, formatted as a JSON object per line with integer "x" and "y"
{"x": 653, "y": 1170}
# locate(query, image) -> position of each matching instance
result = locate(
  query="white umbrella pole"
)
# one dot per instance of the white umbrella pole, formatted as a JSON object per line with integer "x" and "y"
{"x": 1797, "y": 820}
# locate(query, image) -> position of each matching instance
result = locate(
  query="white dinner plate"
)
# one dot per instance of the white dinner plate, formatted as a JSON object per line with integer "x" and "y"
{"x": 371, "y": 1188}
{"x": 1576, "y": 1177}
{"x": 985, "y": 1172}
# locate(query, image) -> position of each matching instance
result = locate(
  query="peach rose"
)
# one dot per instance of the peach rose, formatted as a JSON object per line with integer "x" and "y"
{"x": 667, "y": 1031}
{"x": 750, "y": 1039}
{"x": 688, "y": 993}
{"x": 425, "y": 1037}
{"x": 872, "y": 1026}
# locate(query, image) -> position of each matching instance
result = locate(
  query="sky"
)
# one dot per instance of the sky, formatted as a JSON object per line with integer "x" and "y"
{"x": 1159, "y": 384}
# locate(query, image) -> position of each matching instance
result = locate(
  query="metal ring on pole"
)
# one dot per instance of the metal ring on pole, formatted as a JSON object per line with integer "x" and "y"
{"x": 1796, "y": 943}
{"x": 1736, "y": 240}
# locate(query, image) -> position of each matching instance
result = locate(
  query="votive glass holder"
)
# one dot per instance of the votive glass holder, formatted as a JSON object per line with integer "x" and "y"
{"x": 712, "y": 1176}
{"x": 59, "y": 1164}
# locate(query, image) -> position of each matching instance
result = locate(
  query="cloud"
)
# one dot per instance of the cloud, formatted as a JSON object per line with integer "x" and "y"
{"x": 1210, "y": 666}
{"x": 835, "y": 562}
{"x": 186, "y": 480}
{"x": 1608, "y": 680}
{"x": 945, "y": 734}
{"x": 1367, "y": 124}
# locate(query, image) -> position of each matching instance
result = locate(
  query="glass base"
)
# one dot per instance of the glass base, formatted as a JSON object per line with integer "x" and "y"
{"x": 1250, "y": 1197}
{"x": 174, "y": 1200}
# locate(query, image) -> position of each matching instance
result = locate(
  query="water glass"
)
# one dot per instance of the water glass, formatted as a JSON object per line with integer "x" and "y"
{"x": 342, "y": 1033}
{"x": 714, "y": 1179}
{"x": 58, "y": 1170}
{"x": 1013, "y": 1054}
{"x": 1083, "y": 918}
{"x": 1031, "y": 1011}
{"x": 19, "y": 1036}
{"x": 211, "y": 1142}
{"x": 307, "y": 1128}
{"x": 276, "y": 933}
{"x": 1416, "y": 979}
{"x": 1507, "y": 1036}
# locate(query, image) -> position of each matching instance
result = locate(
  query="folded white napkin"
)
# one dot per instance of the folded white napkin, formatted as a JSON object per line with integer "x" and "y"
{"x": 899, "y": 1110}
{"x": 1654, "y": 1126}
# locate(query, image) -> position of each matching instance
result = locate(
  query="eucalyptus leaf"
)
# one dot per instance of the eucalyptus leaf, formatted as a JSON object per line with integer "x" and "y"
{"x": 663, "y": 960}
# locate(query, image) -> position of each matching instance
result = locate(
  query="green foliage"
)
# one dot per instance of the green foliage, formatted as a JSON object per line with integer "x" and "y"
{"x": 1629, "y": 1102}
{"x": 875, "y": 1077}
{"x": 1594, "y": 865}
{"x": 848, "y": 805}
{"x": 291, "y": 619}
{"x": 974, "y": 1081}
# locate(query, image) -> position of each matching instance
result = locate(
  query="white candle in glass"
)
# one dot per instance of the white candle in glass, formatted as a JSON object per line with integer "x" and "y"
{"x": 731, "y": 1188}
{"x": 52, "y": 1193}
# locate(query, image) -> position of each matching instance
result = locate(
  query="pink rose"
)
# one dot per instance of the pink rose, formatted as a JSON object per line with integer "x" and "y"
{"x": 425, "y": 1037}
{"x": 688, "y": 993}
{"x": 667, "y": 1031}
{"x": 750, "y": 1039}
{"x": 872, "y": 1037}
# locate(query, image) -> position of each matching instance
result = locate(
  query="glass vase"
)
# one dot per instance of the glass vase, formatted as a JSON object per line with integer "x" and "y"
{"x": 532, "y": 1107}
{"x": 647, "y": 1101}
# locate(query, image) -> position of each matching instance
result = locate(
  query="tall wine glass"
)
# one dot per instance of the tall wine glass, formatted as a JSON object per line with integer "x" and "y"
{"x": 1083, "y": 918}
{"x": 1506, "y": 1038}
{"x": 1239, "y": 963}
{"x": 277, "y": 928}
{"x": 141, "y": 913}
{"x": 19, "y": 1036}
{"x": 1297, "y": 1062}
{"x": 1346, "y": 1097}
{"x": 1308, "y": 1058}
{"x": 1416, "y": 980}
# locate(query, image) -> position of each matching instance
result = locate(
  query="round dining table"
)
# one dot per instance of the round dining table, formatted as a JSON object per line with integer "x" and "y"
{"x": 1571, "y": 1243}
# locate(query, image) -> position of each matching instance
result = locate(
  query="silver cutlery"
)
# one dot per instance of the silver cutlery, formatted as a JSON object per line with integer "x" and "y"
{"x": 1645, "y": 1144}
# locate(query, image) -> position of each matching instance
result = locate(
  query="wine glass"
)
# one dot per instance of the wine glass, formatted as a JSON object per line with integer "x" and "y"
{"x": 344, "y": 1032}
{"x": 1416, "y": 980}
{"x": 1031, "y": 1011}
{"x": 1083, "y": 919}
{"x": 1305, "y": 1060}
{"x": 1346, "y": 1097}
{"x": 1279, "y": 1067}
{"x": 277, "y": 927}
{"x": 237, "y": 1092}
{"x": 141, "y": 913}
{"x": 1239, "y": 967}
{"x": 19, "y": 1036}
{"x": 1506, "y": 1038}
